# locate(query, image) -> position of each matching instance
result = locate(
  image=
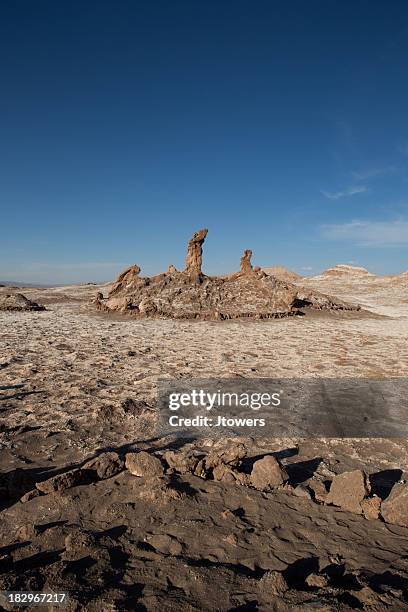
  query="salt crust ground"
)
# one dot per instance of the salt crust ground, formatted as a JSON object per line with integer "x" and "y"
{"x": 65, "y": 377}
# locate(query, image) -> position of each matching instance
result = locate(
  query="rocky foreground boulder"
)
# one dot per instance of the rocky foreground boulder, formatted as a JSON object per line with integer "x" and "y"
{"x": 191, "y": 294}
{"x": 18, "y": 302}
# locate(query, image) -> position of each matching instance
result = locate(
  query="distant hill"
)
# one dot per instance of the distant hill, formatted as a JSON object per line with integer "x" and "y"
{"x": 283, "y": 273}
{"x": 346, "y": 270}
{"x": 12, "y": 283}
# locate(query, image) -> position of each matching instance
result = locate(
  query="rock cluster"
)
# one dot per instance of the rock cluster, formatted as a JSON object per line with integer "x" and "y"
{"x": 18, "y": 302}
{"x": 191, "y": 294}
{"x": 349, "y": 491}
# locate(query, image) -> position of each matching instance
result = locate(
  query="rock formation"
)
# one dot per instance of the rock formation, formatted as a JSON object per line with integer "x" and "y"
{"x": 125, "y": 278}
{"x": 191, "y": 294}
{"x": 195, "y": 252}
{"x": 18, "y": 302}
{"x": 246, "y": 266}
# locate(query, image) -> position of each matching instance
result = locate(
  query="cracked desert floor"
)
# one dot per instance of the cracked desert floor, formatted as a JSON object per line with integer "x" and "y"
{"x": 76, "y": 383}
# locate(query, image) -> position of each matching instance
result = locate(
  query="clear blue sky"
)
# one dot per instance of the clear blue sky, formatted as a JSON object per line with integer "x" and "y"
{"x": 125, "y": 126}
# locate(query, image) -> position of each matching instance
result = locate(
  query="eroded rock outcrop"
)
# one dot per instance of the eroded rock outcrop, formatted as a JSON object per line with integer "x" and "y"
{"x": 18, "y": 302}
{"x": 191, "y": 294}
{"x": 246, "y": 266}
{"x": 195, "y": 252}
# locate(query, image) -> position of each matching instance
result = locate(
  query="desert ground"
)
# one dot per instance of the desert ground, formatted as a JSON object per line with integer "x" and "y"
{"x": 78, "y": 399}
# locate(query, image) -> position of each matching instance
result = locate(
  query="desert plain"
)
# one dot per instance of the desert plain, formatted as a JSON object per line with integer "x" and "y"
{"x": 95, "y": 503}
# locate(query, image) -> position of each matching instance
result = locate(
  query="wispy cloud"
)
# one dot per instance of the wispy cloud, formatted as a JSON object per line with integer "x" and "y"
{"x": 403, "y": 148}
{"x": 372, "y": 173}
{"x": 369, "y": 233}
{"x": 336, "y": 195}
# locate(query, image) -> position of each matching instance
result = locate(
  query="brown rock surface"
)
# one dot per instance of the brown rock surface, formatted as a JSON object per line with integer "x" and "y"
{"x": 105, "y": 465}
{"x": 273, "y": 583}
{"x": 181, "y": 462}
{"x": 61, "y": 482}
{"x": 267, "y": 473}
{"x": 348, "y": 490}
{"x": 144, "y": 465}
{"x": 125, "y": 279}
{"x": 230, "y": 455}
{"x": 371, "y": 507}
{"x": 394, "y": 509}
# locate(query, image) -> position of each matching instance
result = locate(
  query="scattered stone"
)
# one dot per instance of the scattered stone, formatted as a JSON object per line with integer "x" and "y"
{"x": 348, "y": 490}
{"x": 317, "y": 581}
{"x": 105, "y": 465}
{"x": 371, "y": 507}
{"x": 367, "y": 596}
{"x": 19, "y": 302}
{"x": 241, "y": 478}
{"x": 64, "y": 481}
{"x": 394, "y": 509}
{"x": 318, "y": 490}
{"x": 273, "y": 583}
{"x": 232, "y": 455}
{"x": 220, "y": 471}
{"x": 30, "y": 495}
{"x": 267, "y": 473}
{"x": 143, "y": 464}
{"x": 302, "y": 491}
{"x": 183, "y": 462}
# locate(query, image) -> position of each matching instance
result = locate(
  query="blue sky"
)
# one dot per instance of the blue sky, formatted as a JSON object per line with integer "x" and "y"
{"x": 126, "y": 126}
